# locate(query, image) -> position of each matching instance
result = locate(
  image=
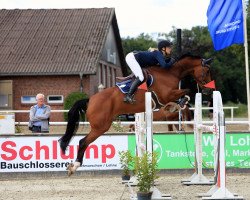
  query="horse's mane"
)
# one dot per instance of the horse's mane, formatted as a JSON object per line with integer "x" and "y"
{"x": 188, "y": 55}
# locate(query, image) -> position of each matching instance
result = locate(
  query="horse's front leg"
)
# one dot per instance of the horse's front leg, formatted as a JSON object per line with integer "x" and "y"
{"x": 176, "y": 94}
{"x": 83, "y": 144}
{"x": 172, "y": 97}
{"x": 72, "y": 167}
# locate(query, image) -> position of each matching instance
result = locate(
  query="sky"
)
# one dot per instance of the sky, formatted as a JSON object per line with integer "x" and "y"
{"x": 133, "y": 16}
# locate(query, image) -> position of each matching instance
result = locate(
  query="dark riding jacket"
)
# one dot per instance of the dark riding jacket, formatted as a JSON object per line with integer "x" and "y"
{"x": 151, "y": 58}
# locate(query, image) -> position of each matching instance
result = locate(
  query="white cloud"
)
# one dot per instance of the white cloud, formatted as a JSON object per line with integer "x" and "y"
{"x": 133, "y": 16}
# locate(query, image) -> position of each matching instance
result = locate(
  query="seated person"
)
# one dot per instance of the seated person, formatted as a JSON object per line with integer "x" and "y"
{"x": 39, "y": 116}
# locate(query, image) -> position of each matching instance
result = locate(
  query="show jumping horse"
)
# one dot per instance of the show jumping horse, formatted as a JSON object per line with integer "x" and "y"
{"x": 104, "y": 106}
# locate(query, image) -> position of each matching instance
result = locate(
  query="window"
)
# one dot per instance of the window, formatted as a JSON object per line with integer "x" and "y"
{"x": 3, "y": 101}
{"x": 55, "y": 99}
{"x": 6, "y": 91}
{"x": 28, "y": 99}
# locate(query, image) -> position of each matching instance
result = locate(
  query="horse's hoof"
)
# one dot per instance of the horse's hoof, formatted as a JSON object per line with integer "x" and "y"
{"x": 70, "y": 173}
{"x": 69, "y": 169}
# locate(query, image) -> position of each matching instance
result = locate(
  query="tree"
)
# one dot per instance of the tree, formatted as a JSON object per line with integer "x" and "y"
{"x": 141, "y": 43}
{"x": 228, "y": 66}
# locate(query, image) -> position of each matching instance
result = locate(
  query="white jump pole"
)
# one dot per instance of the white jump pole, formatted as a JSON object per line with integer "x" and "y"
{"x": 219, "y": 190}
{"x": 198, "y": 178}
{"x": 156, "y": 195}
{"x": 140, "y": 139}
{"x": 144, "y": 141}
{"x": 149, "y": 124}
{"x": 140, "y": 133}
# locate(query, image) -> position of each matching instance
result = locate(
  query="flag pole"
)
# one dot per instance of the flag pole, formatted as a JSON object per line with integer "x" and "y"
{"x": 246, "y": 60}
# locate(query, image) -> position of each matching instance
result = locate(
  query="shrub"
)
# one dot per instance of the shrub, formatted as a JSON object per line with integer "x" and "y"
{"x": 146, "y": 171}
{"x": 126, "y": 161}
{"x": 70, "y": 100}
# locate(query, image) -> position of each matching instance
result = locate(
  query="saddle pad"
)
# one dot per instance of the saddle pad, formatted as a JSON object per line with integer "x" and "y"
{"x": 125, "y": 85}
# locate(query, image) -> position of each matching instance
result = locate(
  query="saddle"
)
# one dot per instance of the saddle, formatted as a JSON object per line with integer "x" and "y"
{"x": 145, "y": 72}
{"x": 124, "y": 83}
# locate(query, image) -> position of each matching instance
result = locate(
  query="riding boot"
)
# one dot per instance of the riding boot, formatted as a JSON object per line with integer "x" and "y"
{"x": 129, "y": 96}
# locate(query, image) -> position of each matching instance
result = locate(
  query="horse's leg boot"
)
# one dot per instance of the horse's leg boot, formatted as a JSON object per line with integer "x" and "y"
{"x": 129, "y": 96}
{"x": 183, "y": 102}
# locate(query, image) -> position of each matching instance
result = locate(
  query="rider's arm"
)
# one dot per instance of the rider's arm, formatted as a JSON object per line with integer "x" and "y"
{"x": 162, "y": 61}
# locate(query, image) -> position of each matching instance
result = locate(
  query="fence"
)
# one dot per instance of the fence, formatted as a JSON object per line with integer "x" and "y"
{"x": 231, "y": 121}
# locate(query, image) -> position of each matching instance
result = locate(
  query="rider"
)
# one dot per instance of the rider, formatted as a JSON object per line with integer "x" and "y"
{"x": 143, "y": 59}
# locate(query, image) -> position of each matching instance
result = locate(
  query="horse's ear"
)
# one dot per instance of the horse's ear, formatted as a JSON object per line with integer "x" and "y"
{"x": 208, "y": 61}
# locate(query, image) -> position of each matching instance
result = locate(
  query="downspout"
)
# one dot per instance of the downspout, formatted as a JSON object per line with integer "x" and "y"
{"x": 81, "y": 83}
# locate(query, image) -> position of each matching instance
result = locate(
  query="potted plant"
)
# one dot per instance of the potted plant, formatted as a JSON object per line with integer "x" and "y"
{"x": 126, "y": 161}
{"x": 146, "y": 173}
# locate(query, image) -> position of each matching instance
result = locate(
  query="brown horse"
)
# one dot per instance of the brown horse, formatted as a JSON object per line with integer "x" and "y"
{"x": 104, "y": 106}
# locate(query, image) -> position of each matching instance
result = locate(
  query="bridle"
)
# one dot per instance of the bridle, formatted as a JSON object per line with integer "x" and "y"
{"x": 204, "y": 64}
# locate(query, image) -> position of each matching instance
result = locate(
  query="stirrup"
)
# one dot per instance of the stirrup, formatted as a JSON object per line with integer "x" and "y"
{"x": 129, "y": 99}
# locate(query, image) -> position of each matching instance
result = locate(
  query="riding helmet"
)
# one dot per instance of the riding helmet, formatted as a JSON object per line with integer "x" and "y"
{"x": 164, "y": 43}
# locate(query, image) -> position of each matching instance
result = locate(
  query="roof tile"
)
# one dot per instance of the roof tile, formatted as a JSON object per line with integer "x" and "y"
{"x": 52, "y": 41}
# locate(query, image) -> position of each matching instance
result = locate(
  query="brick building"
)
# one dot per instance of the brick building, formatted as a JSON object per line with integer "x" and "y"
{"x": 56, "y": 52}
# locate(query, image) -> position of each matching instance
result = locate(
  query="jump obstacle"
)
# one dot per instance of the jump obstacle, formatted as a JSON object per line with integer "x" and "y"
{"x": 219, "y": 190}
{"x": 144, "y": 142}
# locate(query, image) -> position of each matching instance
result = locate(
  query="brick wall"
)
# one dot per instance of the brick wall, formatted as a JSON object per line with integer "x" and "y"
{"x": 48, "y": 85}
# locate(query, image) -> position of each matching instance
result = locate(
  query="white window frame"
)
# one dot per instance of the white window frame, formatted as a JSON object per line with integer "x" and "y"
{"x": 55, "y": 101}
{"x": 32, "y": 99}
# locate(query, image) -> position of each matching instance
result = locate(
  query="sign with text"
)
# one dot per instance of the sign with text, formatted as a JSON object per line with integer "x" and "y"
{"x": 22, "y": 154}
{"x": 176, "y": 151}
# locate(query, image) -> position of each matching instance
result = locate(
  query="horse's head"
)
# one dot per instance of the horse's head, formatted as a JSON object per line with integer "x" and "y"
{"x": 197, "y": 67}
{"x": 202, "y": 75}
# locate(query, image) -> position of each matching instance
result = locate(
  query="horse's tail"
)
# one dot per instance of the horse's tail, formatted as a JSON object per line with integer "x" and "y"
{"x": 74, "y": 115}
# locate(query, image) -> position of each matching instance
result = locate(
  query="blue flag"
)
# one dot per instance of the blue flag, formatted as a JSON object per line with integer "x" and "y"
{"x": 225, "y": 22}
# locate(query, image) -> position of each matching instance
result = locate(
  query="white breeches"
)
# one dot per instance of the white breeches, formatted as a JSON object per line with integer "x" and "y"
{"x": 134, "y": 66}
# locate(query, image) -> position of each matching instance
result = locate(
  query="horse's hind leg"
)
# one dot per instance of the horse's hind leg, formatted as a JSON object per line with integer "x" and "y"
{"x": 83, "y": 144}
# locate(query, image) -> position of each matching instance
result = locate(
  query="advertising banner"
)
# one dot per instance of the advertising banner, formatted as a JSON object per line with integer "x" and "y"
{"x": 176, "y": 151}
{"x": 22, "y": 154}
